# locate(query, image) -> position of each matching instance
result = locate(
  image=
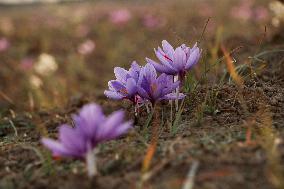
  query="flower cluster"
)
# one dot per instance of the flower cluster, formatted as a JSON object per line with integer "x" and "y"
{"x": 140, "y": 85}
{"x": 144, "y": 84}
{"x": 175, "y": 61}
{"x": 125, "y": 85}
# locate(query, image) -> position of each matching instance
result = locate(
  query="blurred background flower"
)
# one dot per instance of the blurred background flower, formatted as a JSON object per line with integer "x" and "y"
{"x": 4, "y": 44}
{"x": 152, "y": 22}
{"x": 247, "y": 10}
{"x": 277, "y": 8}
{"x": 35, "y": 82}
{"x": 46, "y": 65}
{"x": 120, "y": 16}
{"x": 27, "y": 63}
{"x": 243, "y": 10}
{"x": 87, "y": 47}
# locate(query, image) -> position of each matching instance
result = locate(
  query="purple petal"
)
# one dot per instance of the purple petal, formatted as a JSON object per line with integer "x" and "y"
{"x": 108, "y": 127}
{"x": 144, "y": 83}
{"x": 134, "y": 71}
{"x": 89, "y": 118}
{"x": 120, "y": 74}
{"x": 171, "y": 87}
{"x": 168, "y": 49}
{"x": 120, "y": 130}
{"x": 116, "y": 85}
{"x": 72, "y": 139}
{"x": 179, "y": 59}
{"x": 162, "y": 80}
{"x": 161, "y": 56}
{"x": 142, "y": 93}
{"x": 113, "y": 95}
{"x": 150, "y": 72}
{"x": 56, "y": 147}
{"x": 131, "y": 86}
{"x": 185, "y": 49}
{"x": 135, "y": 66}
{"x": 193, "y": 58}
{"x": 161, "y": 68}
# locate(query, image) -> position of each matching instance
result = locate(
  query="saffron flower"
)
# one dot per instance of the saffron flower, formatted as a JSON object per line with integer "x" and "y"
{"x": 91, "y": 128}
{"x": 154, "y": 88}
{"x": 175, "y": 61}
{"x": 125, "y": 85}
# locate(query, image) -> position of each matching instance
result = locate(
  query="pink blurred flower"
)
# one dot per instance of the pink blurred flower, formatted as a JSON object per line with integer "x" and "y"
{"x": 86, "y": 47}
{"x": 242, "y": 12}
{"x": 152, "y": 22}
{"x": 4, "y": 44}
{"x": 121, "y": 16}
{"x": 27, "y": 63}
{"x": 261, "y": 13}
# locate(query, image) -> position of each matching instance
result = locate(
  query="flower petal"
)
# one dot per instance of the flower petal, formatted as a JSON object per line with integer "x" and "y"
{"x": 150, "y": 72}
{"x": 193, "y": 58}
{"x": 134, "y": 71}
{"x": 72, "y": 139}
{"x": 162, "y": 57}
{"x": 161, "y": 68}
{"x": 88, "y": 120}
{"x": 168, "y": 49}
{"x": 142, "y": 93}
{"x": 56, "y": 147}
{"x": 170, "y": 88}
{"x": 121, "y": 74}
{"x": 109, "y": 125}
{"x": 113, "y": 95}
{"x": 116, "y": 85}
{"x": 131, "y": 87}
{"x": 179, "y": 59}
{"x": 120, "y": 130}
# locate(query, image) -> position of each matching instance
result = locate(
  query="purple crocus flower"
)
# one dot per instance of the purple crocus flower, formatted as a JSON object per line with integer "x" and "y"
{"x": 91, "y": 128}
{"x": 125, "y": 85}
{"x": 155, "y": 88}
{"x": 175, "y": 61}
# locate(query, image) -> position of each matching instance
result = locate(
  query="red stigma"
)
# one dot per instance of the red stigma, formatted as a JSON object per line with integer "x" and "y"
{"x": 167, "y": 57}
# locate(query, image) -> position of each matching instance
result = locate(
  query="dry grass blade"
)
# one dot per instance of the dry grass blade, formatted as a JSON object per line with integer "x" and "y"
{"x": 5, "y": 97}
{"x": 153, "y": 145}
{"x": 189, "y": 182}
{"x": 149, "y": 156}
{"x": 231, "y": 67}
